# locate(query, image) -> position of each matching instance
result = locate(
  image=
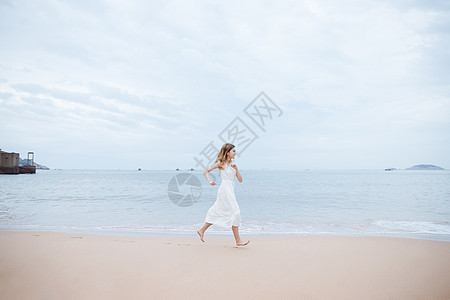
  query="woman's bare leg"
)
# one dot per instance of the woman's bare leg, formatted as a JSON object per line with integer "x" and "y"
{"x": 239, "y": 242}
{"x": 202, "y": 230}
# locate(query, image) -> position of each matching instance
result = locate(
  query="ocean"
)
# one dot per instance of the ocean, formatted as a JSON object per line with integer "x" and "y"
{"x": 412, "y": 204}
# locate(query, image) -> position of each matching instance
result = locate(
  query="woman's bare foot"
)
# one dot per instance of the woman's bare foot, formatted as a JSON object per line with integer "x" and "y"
{"x": 200, "y": 233}
{"x": 241, "y": 243}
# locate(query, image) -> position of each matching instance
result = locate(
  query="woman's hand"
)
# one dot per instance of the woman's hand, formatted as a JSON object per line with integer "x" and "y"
{"x": 238, "y": 174}
{"x": 216, "y": 165}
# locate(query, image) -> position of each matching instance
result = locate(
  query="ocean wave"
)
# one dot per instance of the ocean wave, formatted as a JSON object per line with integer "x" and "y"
{"x": 366, "y": 227}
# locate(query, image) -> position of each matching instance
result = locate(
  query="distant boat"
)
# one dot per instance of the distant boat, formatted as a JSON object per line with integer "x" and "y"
{"x": 139, "y": 169}
{"x": 390, "y": 169}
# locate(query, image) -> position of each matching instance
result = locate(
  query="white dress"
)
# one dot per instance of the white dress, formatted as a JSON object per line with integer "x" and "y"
{"x": 225, "y": 212}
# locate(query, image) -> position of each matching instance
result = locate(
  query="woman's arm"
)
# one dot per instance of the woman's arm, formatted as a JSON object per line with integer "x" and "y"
{"x": 238, "y": 174}
{"x": 206, "y": 173}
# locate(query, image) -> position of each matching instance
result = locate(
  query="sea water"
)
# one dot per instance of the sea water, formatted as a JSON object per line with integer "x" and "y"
{"x": 273, "y": 203}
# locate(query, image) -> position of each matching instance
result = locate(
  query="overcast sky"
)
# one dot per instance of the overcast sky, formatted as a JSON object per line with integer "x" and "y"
{"x": 149, "y": 84}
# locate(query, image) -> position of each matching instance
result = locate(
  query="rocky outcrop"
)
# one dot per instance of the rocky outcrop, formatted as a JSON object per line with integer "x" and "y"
{"x": 425, "y": 167}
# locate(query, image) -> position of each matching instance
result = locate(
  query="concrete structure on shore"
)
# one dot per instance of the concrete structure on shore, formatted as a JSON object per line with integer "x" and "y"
{"x": 9, "y": 163}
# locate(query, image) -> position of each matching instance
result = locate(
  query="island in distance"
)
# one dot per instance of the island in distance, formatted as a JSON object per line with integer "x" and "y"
{"x": 23, "y": 162}
{"x": 425, "y": 167}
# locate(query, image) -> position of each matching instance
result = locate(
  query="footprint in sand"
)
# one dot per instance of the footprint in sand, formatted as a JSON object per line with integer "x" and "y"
{"x": 168, "y": 243}
{"x": 76, "y": 237}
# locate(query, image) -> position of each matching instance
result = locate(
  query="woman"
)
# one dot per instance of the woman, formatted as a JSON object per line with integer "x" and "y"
{"x": 225, "y": 211}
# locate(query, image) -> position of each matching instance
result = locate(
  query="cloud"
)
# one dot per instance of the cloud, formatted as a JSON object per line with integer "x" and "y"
{"x": 352, "y": 77}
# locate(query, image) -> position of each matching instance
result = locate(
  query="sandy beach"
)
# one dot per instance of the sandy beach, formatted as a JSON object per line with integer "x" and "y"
{"x": 46, "y": 265}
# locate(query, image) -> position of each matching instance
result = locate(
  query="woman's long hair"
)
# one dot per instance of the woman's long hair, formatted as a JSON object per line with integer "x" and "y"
{"x": 222, "y": 156}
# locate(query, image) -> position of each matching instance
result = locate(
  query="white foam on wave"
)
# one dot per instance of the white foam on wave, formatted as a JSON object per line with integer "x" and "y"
{"x": 367, "y": 227}
{"x": 419, "y": 227}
